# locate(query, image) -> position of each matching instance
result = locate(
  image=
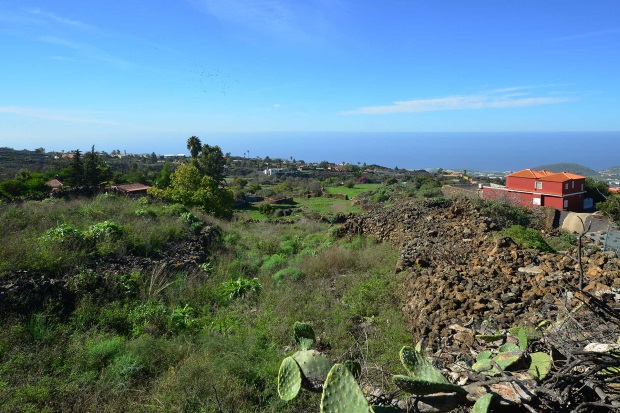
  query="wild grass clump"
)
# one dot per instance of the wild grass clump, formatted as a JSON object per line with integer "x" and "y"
{"x": 528, "y": 238}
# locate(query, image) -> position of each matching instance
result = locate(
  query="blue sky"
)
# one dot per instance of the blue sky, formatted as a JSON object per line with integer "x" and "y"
{"x": 133, "y": 73}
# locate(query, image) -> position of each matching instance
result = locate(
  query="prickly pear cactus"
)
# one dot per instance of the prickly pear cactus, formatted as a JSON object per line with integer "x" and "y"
{"x": 289, "y": 379}
{"x": 419, "y": 367}
{"x": 314, "y": 368}
{"x": 341, "y": 393}
{"x": 424, "y": 378}
{"x": 504, "y": 348}
{"x": 425, "y": 387}
{"x": 540, "y": 366}
{"x": 483, "y": 403}
{"x": 304, "y": 334}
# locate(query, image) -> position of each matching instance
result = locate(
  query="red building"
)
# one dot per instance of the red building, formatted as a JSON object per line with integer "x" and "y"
{"x": 562, "y": 190}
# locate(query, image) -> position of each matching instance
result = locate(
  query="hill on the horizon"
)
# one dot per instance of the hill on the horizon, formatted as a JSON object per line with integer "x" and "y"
{"x": 568, "y": 167}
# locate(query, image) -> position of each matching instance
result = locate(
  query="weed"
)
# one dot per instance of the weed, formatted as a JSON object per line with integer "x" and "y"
{"x": 239, "y": 288}
{"x": 528, "y": 238}
{"x": 293, "y": 273}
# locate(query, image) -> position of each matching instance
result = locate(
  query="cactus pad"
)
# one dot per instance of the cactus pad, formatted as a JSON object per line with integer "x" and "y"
{"x": 419, "y": 367}
{"x": 425, "y": 387}
{"x": 304, "y": 334}
{"x": 483, "y": 403}
{"x": 540, "y": 366}
{"x": 289, "y": 379}
{"x": 314, "y": 368}
{"x": 485, "y": 366}
{"x": 530, "y": 332}
{"x": 490, "y": 337}
{"x": 504, "y": 348}
{"x": 508, "y": 358}
{"x": 483, "y": 355}
{"x": 341, "y": 393}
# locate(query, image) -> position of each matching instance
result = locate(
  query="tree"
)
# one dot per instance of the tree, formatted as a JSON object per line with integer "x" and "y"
{"x": 164, "y": 176}
{"x": 95, "y": 170}
{"x": 76, "y": 176}
{"x": 190, "y": 187}
{"x": 597, "y": 190}
{"x": 194, "y": 145}
{"x": 212, "y": 163}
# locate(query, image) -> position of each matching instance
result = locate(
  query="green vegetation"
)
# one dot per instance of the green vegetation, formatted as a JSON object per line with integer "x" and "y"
{"x": 56, "y": 236}
{"x": 353, "y": 191}
{"x": 528, "y": 238}
{"x": 165, "y": 339}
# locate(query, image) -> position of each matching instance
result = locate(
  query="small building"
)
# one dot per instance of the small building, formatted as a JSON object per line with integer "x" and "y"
{"x": 131, "y": 189}
{"x": 55, "y": 184}
{"x": 561, "y": 190}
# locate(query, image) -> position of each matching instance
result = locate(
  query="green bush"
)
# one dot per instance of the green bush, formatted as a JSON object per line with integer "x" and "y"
{"x": 103, "y": 229}
{"x": 266, "y": 209}
{"x": 293, "y": 273}
{"x": 239, "y": 288}
{"x": 504, "y": 214}
{"x": 64, "y": 233}
{"x": 528, "y": 238}
{"x": 273, "y": 262}
{"x": 102, "y": 352}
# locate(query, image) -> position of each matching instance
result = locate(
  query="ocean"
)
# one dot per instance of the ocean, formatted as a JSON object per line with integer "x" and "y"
{"x": 471, "y": 151}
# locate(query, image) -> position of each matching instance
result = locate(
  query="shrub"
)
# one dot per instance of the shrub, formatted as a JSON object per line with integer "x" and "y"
{"x": 290, "y": 272}
{"x": 149, "y": 317}
{"x": 105, "y": 229}
{"x": 233, "y": 289}
{"x": 182, "y": 319}
{"x": 273, "y": 262}
{"x": 101, "y": 353}
{"x": 528, "y": 238}
{"x": 146, "y": 213}
{"x": 122, "y": 370}
{"x": 64, "y": 233}
{"x": 266, "y": 209}
{"x": 504, "y": 214}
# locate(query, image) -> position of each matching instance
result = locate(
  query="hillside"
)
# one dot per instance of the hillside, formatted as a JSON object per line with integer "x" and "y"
{"x": 202, "y": 320}
{"x": 568, "y": 167}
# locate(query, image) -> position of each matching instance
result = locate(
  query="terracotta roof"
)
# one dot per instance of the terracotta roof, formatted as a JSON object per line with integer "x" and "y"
{"x": 614, "y": 190}
{"x": 545, "y": 176}
{"x": 132, "y": 187}
{"x": 54, "y": 183}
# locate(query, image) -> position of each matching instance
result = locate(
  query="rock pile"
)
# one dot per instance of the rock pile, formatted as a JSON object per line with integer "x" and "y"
{"x": 460, "y": 271}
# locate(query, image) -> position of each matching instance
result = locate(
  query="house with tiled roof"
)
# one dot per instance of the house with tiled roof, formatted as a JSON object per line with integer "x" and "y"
{"x": 560, "y": 190}
{"x": 131, "y": 189}
{"x": 55, "y": 184}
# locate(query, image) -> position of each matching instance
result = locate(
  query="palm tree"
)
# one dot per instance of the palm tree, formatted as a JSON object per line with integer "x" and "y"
{"x": 194, "y": 146}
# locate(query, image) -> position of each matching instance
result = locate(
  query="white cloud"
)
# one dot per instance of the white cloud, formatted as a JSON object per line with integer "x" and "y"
{"x": 498, "y": 98}
{"x": 86, "y": 50}
{"x": 51, "y": 17}
{"x": 588, "y": 34}
{"x": 285, "y": 20}
{"x": 75, "y": 116}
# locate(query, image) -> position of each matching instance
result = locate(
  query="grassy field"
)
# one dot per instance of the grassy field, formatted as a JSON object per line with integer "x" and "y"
{"x": 209, "y": 339}
{"x": 352, "y": 192}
